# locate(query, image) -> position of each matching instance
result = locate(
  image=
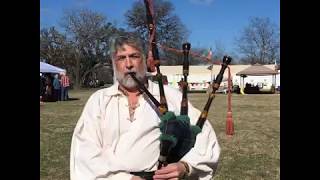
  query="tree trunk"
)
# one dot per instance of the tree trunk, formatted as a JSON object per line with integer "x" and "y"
{"x": 98, "y": 65}
{"x": 77, "y": 73}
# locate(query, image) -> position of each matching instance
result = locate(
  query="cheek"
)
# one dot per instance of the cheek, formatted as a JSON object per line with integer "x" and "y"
{"x": 119, "y": 67}
{"x": 139, "y": 65}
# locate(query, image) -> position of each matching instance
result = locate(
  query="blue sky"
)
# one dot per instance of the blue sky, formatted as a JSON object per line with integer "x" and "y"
{"x": 209, "y": 21}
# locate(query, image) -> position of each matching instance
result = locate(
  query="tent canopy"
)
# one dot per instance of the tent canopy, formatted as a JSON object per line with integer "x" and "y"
{"x": 257, "y": 70}
{"x": 48, "y": 68}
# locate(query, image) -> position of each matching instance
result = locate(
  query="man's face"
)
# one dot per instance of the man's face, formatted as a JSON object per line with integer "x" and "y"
{"x": 129, "y": 59}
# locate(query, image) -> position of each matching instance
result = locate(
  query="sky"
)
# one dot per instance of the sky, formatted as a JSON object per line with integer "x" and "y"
{"x": 209, "y": 22}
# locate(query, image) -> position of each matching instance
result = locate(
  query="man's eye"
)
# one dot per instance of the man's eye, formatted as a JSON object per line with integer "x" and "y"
{"x": 132, "y": 57}
{"x": 121, "y": 58}
{"x": 135, "y": 56}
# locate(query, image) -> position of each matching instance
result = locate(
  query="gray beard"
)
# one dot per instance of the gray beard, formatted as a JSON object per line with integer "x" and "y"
{"x": 127, "y": 81}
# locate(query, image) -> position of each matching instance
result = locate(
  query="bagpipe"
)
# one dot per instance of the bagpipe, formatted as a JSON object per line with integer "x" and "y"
{"x": 178, "y": 135}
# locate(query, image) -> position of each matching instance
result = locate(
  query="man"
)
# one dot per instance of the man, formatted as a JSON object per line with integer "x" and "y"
{"x": 118, "y": 131}
{"x": 56, "y": 88}
{"x": 64, "y": 86}
{"x": 42, "y": 87}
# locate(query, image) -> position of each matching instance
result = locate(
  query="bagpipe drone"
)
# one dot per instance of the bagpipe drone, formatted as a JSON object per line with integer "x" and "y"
{"x": 178, "y": 135}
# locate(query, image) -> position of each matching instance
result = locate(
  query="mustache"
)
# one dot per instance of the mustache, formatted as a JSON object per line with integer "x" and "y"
{"x": 130, "y": 72}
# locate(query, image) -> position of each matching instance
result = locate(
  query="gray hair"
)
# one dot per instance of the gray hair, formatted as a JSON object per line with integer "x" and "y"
{"x": 131, "y": 39}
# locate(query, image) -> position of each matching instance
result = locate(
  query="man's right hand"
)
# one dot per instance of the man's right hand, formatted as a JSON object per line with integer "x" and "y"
{"x": 137, "y": 178}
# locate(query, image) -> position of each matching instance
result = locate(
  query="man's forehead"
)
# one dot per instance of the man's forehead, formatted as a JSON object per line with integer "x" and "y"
{"x": 124, "y": 48}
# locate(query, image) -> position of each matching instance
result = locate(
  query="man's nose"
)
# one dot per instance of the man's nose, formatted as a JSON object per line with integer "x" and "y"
{"x": 129, "y": 64}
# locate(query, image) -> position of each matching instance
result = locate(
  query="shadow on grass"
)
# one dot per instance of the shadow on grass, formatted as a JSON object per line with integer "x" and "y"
{"x": 73, "y": 99}
{"x": 69, "y": 99}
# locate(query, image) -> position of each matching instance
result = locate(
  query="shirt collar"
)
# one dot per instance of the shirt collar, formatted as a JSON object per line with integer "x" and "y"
{"x": 125, "y": 92}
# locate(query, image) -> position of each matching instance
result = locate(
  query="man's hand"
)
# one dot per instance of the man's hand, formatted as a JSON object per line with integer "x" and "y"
{"x": 137, "y": 178}
{"x": 172, "y": 171}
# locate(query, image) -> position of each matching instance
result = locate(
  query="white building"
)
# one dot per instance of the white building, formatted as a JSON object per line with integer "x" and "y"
{"x": 200, "y": 76}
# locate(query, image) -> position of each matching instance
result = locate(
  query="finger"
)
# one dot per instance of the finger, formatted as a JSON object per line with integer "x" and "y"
{"x": 167, "y": 169}
{"x": 173, "y": 174}
{"x": 163, "y": 171}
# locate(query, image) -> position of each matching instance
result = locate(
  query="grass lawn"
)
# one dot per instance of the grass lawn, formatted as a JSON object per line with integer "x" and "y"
{"x": 253, "y": 153}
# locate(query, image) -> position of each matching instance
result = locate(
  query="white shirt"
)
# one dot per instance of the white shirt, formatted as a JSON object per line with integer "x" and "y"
{"x": 107, "y": 145}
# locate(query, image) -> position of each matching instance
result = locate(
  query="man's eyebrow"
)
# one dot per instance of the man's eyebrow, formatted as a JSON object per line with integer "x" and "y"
{"x": 135, "y": 53}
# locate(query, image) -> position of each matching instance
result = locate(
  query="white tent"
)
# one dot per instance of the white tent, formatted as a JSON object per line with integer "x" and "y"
{"x": 47, "y": 68}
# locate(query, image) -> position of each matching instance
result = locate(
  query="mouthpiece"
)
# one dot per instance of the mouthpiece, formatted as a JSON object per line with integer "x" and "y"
{"x": 144, "y": 89}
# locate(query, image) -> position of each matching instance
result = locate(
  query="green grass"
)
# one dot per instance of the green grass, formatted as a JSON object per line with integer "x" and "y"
{"x": 253, "y": 152}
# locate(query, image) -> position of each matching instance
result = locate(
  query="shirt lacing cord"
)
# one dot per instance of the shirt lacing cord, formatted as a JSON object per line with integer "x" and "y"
{"x": 132, "y": 108}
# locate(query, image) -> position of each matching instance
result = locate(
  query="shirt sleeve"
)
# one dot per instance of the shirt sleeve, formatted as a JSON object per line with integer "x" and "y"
{"x": 203, "y": 157}
{"x": 89, "y": 159}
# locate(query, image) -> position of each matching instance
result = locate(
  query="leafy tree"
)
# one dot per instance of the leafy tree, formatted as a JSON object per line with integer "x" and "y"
{"x": 259, "y": 41}
{"x": 51, "y": 45}
{"x": 88, "y": 32}
{"x": 170, "y": 30}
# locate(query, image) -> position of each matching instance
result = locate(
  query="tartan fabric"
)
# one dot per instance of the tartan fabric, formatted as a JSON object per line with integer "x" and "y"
{"x": 65, "y": 81}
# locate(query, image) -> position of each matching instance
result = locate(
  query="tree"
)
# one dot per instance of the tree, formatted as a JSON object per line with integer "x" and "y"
{"x": 170, "y": 30}
{"x": 235, "y": 58}
{"x": 88, "y": 34}
{"x": 219, "y": 51}
{"x": 51, "y": 44}
{"x": 55, "y": 49}
{"x": 259, "y": 41}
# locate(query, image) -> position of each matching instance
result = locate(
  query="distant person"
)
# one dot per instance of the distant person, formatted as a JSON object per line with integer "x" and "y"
{"x": 56, "y": 88}
{"x": 48, "y": 96}
{"x": 42, "y": 86}
{"x": 65, "y": 83}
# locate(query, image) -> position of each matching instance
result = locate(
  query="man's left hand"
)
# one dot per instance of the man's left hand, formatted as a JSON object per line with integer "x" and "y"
{"x": 173, "y": 171}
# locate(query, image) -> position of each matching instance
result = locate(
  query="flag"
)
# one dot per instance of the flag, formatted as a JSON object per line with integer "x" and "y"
{"x": 209, "y": 56}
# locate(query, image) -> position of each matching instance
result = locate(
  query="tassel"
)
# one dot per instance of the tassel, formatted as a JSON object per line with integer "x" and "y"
{"x": 229, "y": 125}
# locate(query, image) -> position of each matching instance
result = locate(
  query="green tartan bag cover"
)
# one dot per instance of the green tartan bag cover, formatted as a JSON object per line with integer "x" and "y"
{"x": 180, "y": 133}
